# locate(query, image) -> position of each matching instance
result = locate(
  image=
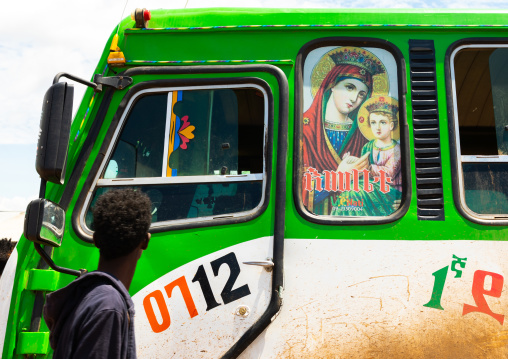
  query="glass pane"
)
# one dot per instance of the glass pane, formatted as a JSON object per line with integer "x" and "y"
{"x": 486, "y": 187}
{"x": 183, "y": 201}
{"x": 498, "y": 63}
{"x": 208, "y": 132}
{"x": 53, "y": 224}
{"x": 140, "y": 148}
{"x": 216, "y": 132}
{"x": 351, "y": 149}
{"x": 481, "y": 83}
{"x": 192, "y": 133}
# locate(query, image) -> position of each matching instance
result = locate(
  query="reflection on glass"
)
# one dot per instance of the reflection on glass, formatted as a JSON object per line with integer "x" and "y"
{"x": 486, "y": 188}
{"x": 182, "y": 201}
{"x": 53, "y": 223}
{"x": 140, "y": 148}
{"x": 481, "y": 82}
{"x": 191, "y": 133}
{"x": 498, "y": 63}
{"x": 203, "y": 132}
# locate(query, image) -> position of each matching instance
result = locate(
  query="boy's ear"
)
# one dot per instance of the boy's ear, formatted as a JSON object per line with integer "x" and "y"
{"x": 392, "y": 125}
{"x": 144, "y": 244}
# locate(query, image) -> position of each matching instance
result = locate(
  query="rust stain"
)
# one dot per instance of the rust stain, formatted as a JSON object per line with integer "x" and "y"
{"x": 364, "y": 281}
{"x": 384, "y": 276}
{"x": 397, "y": 275}
{"x": 306, "y": 325}
{"x": 307, "y": 304}
{"x": 380, "y": 301}
{"x": 498, "y": 340}
{"x": 455, "y": 338}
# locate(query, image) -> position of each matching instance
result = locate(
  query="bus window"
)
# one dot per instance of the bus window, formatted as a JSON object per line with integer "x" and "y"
{"x": 481, "y": 116}
{"x": 195, "y": 152}
{"x": 351, "y": 160}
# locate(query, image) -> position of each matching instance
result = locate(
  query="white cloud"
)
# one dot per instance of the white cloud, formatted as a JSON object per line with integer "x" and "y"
{"x": 11, "y": 225}
{"x": 51, "y": 36}
{"x": 15, "y": 203}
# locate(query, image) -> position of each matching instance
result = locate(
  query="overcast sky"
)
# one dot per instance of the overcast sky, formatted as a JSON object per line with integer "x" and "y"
{"x": 41, "y": 38}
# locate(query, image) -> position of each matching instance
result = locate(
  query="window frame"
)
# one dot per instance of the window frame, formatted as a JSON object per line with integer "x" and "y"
{"x": 118, "y": 121}
{"x": 404, "y": 133}
{"x": 456, "y": 157}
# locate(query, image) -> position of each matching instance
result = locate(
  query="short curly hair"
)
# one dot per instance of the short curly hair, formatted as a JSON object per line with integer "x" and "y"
{"x": 121, "y": 219}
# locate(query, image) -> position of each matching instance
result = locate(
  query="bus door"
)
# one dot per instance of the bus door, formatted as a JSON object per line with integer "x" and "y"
{"x": 203, "y": 146}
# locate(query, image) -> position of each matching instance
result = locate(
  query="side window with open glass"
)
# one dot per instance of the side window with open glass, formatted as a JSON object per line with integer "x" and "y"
{"x": 196, "y": 152}
{"x": 479, "y": 80}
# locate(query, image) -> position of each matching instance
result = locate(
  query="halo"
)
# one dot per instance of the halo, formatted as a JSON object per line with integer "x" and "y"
{"x": 363, "y": 117}
{"x": 381, "y": 83}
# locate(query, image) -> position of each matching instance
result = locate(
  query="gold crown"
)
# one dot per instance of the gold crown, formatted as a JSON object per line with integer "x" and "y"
{"x": 382, "y": 106}
{"x": 360, "y": 58}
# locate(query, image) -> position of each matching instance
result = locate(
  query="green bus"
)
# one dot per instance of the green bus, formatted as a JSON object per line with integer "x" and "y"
{"x": 340, "y": 192}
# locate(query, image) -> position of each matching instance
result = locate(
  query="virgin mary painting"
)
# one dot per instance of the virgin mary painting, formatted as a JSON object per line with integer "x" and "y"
{"x": 330, "y": 128}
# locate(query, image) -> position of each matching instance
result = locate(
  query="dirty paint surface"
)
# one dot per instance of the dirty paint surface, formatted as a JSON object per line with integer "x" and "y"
{"x": 201, "y": 309}
{"x": 366, "y": 299}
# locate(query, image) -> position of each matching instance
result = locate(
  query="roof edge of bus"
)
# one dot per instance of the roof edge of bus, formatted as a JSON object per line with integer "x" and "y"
{"x": 209, "y": 17}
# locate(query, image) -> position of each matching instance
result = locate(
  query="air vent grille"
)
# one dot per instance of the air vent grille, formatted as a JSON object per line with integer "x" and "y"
{"x": 427, "y": 148}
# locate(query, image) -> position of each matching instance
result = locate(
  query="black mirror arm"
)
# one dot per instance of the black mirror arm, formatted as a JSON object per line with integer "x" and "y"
{"x": 74, "y": 78}
{"x": 53, "y": 266}
{"x": 42, "y": 188}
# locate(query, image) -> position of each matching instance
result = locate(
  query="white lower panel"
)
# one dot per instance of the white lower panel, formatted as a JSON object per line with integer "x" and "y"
{"x": 365, "y": 299}
{"x": 182, "y": 326}
{"x": 6, "y": 284}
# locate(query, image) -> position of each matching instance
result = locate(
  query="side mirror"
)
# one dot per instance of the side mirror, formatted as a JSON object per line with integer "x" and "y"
{"x": 54, "y": 132}
{"x": 44, "y": 222}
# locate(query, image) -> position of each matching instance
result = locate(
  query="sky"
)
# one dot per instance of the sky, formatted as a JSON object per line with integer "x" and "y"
{"x": 38, "y": 39}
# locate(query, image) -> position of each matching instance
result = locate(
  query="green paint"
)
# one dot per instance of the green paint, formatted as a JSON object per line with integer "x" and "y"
{"x": 437, "y": 291}
{"x": 33, "y": 343}
{"x": 461, "y": 262}
{"x": 40, "y": 279}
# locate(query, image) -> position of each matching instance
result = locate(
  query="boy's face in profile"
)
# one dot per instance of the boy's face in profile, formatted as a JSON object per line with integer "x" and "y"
{"x": 381, "y": 125}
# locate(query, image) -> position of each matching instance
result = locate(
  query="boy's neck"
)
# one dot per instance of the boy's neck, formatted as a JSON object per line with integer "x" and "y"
{"x": 122, "y": 267}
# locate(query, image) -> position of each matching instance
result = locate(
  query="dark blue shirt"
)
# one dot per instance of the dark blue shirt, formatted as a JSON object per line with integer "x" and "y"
{"x": 91, "y": 318}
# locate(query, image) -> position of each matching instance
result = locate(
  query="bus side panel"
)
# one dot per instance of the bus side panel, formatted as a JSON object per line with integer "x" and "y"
{"x": 178, "y": 313}
{"x": 6, "y": 286}
{"x": 390, "y": 299}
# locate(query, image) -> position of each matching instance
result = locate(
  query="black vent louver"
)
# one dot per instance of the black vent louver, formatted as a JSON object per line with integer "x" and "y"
{"x": 427, "y": 148}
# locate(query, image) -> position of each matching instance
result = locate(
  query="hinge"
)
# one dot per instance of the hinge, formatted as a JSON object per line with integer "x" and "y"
{"x": 32, "y": 343}
{"x": 118, "y": 82}
{"x": 43, "y": 279}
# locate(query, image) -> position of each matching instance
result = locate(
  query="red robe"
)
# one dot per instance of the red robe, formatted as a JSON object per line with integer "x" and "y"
{"x": 315, "y": 150}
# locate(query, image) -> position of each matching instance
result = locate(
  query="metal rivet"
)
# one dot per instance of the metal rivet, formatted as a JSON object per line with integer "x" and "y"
{"x": 242, "y": 311}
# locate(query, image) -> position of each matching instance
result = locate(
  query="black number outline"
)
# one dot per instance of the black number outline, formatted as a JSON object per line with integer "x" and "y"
{"x": 206, "y": 288}
{"x": 229, "y": 294}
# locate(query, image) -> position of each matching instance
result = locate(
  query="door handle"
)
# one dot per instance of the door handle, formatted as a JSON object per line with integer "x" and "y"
{"x": 267, "y": 264}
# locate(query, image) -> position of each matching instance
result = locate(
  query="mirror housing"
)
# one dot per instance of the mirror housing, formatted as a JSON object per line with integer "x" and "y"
{"x": 44, "y": 222}
{"x": 54, "y": 132}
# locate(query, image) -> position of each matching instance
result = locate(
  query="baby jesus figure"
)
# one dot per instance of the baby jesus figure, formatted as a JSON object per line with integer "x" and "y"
{"x": 381, "y": 153}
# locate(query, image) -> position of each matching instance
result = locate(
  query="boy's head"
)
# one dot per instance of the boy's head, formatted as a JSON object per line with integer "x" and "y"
{"x": 121, "y": 220}
{"x": 382, "y": 118}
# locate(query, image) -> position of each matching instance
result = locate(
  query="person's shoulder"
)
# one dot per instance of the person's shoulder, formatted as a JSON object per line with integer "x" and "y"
{"x": 103, "y": 297}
